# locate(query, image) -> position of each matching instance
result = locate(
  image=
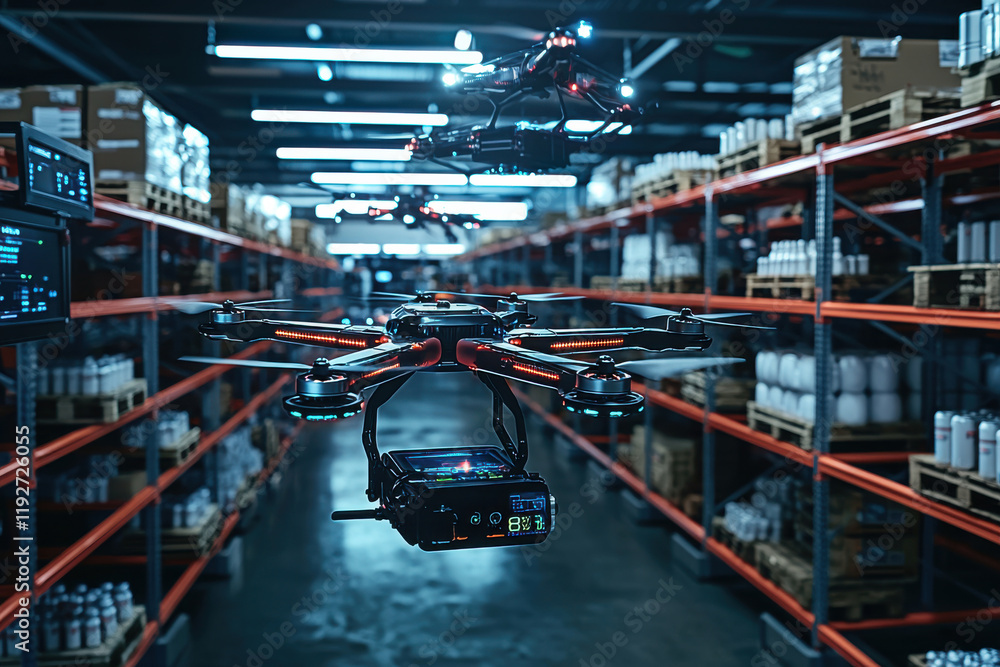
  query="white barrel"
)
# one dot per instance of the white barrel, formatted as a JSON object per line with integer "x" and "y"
{"x": 963, "y": 442}
{"x": 988, "y": 448}
{"x": 977, "y": 249}
{"x": 993, "y": 254}
{"x": 964, "y": 242}
{"x": 942, "y": 436}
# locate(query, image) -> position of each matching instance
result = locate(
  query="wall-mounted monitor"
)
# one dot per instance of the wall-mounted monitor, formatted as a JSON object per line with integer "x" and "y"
{"x": 34, "y": 279}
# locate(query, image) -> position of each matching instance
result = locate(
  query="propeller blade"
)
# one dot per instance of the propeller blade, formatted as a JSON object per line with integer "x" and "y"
{"x": 548, "y": 297}
{"x": 646, "y": 312}
{"x": 391, "y": 295}
{"x": 722, "y": 316}
{"x": 260, "y": 303}
{"x": 281, "y": 310}
{"x": 658, "y": 369}
{"x": 734, "y": 324}
{"x": 195, "y": 307}
{"x": 248, "y": 363}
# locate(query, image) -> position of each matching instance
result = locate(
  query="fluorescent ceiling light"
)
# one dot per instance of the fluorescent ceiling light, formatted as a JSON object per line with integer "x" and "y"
{"x": 353, "y": 248}
{"x": 401, "y": 248}
{"x": 353, "y": 207}
{"x": 444, "y": 249}
{"x": 349, "y": 117}
{"x": 497, "y": 210}
{"x": 380, "y": 154}
{"x": 354, "y": 55}
{"x": 383, "y": 178}
{"x": 523, "y": 180}
{"x": 463, "y": 40}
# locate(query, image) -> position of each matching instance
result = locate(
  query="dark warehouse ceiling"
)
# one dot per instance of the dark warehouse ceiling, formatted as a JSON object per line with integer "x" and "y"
{"x": 722, "y": 60}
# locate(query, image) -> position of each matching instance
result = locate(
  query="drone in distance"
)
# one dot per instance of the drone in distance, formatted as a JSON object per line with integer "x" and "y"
{"x": 552, "y": 65}
{"x": 464, "y": 497}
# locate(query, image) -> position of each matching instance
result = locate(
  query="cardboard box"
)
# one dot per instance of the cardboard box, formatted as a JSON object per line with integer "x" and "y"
{"x": 124, "y": 487}
{"x": 132, "y": 138}
{"x": 673, "y": 461}
{"x": 848, "y": 71}
{"x": 55, "y": 110}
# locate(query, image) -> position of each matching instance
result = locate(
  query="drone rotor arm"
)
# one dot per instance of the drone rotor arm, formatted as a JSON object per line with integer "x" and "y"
{"x": 515, "y": 363}
{"x": 581, "y": 341}
{"x": 336, "y": 336}
{"x": 382, "y": 361}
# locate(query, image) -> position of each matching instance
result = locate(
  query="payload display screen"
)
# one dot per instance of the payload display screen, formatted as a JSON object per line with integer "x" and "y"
{"x": 529, "y": 514}
{"x": 31, "y": 274}
{"x": 457, "y": 464}
{"x": 58, "y": 175}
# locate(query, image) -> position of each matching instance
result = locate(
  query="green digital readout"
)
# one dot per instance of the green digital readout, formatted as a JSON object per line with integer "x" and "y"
{"x": 525, "y": 523}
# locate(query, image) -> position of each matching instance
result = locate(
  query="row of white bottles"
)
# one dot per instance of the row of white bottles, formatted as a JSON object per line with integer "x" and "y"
{"x": 664, "y": 164}
{"x": 91, "y": 377}
{"x": 751, "y": 130}
{"x": 978, "y": 242}
{"x": 798, "y": 258}
{"x": 968, "y": 441}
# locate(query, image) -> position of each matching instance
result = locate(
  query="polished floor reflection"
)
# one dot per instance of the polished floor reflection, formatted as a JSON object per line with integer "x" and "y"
{"x": 319, "y": 594}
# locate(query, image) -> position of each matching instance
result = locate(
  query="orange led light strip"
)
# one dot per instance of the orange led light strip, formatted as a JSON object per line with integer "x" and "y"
{"x": 379, "y": 371}
{"x": 584, "y": 344}
{"x": 328, "y": 338}
{"x": 531, "y": 370}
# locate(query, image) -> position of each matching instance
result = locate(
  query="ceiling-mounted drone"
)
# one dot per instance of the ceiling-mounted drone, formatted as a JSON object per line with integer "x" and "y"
{"x": 466, "y": 497}
{"x": 551, "y": 65}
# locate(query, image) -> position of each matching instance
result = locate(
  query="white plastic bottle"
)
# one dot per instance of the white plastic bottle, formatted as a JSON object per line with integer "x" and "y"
{"x": 988, "y": 448}
{"x": 963, "y": 442}
{"x": 942, "y": 436}
{"x": 838, "y": 258}
{"x": 89, "y": 380}
{"x": 74, "y": 379}
{"x": 106, "y": 378}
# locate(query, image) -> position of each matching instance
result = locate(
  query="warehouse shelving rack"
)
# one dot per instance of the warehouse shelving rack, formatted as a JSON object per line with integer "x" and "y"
{"x": 506, "y": 266}
{"x": 316, "y": 278}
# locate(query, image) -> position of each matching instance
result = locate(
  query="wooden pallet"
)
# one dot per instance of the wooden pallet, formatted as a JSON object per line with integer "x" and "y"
{"x": 759, "y": 154}
{"x": 743, "y": 550}
{"x": 969, "y": 286}
{"x": 964, "y": 489}
{"x": 113, "y": 652}
{"x": 799, "y": 432}
{"x": 196, "y": 540}
{"x": 981, "y": 83}
{"x": 173, "y": 454}
{"x": 197, "y": 211}
{"x": 677, "y": 181}
{"x": 917, "y": 660}
{"x": 144, "y": 194}
{"x": 804, "y": 287}
{"x": 849, "y": 599}
{"x": 101, "y": 409}
{"x": 731, "y": 394}
{"x": 889, "y": 112}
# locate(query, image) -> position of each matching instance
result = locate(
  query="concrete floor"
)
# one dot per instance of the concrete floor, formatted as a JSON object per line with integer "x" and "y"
{"x": 320, "y": 594}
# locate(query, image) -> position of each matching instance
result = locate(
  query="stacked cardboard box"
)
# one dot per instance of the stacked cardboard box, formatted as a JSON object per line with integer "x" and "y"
{"x": 848, "y": 71}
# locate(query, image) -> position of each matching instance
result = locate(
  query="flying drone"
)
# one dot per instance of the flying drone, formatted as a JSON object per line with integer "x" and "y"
{"x": 551, "y": 65}
{"x": 459, "y": 498}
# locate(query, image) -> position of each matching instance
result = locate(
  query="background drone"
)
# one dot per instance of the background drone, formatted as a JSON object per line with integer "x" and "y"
{"x": 553, "y": 65}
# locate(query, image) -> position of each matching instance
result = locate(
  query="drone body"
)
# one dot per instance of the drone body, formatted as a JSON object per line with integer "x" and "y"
{"x": 451, "y": 499}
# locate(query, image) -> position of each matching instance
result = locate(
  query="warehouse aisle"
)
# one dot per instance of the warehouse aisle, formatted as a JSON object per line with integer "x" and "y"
{"x": 319, "y": 594}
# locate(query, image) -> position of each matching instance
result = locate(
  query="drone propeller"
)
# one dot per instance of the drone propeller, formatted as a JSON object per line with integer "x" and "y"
{"x": 198, "y": 307}
{"x": 292, "y": 366}
{"x": 714, "y": 319}
{"x": 658, "y": 369}
{"x": 552, "y": 296}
